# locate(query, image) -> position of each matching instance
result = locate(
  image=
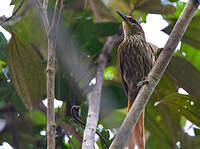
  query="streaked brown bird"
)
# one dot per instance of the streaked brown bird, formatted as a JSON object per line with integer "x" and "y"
{"x": 135, "y": 60}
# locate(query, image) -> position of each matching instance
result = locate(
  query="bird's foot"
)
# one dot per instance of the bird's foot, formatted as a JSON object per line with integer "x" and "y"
{"x": 158, "y": 52}
{"x": 143, "y": 82}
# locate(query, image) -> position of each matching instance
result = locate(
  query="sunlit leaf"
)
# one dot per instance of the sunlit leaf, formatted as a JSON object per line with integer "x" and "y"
{"x": 115, "y": 119}
{"x": 190, "y": 37}
{"x": 191, "y": 54}
{"x": 155, "y": 119}
{"x": 147, "y": 6}
{"x": 156, "y": 6}
{"x": 185, "y": 75}
{"x": 110, "y": 73}
{"x": 186, "y": 105}
{"x": 37, "y": 117}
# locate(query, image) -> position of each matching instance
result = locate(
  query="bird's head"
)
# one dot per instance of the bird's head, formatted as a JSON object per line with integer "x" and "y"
{"x": 130, "y": 25}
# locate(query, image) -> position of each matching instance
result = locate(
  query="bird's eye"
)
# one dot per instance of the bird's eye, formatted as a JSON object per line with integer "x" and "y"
{"x": 133, "y": 20}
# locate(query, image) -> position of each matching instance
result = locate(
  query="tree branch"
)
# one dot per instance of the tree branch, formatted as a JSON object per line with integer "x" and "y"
{"x": 51, "y": 34}
{"x": 94, "y": 10}
{"x": 67, "y": 128}
{"x": 94, "y": 97}
{"x": 155, "y": 75}
{"x": 43, "y": 14}
{"x": 51, "y": 126}
{"x": 56, "y": 16}
{"x": 45, "y": 4}
{"x": 75, "y": 113}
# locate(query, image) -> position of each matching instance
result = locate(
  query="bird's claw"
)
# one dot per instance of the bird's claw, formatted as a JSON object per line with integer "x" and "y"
{"x": 143, "y": 82}
{"x": 158, "y": 53}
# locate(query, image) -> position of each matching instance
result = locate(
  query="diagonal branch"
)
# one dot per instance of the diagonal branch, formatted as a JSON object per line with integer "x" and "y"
{"x": 155, "y": 75}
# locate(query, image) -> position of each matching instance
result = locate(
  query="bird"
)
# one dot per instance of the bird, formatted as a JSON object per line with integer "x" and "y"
{"x": 135, "y": 60}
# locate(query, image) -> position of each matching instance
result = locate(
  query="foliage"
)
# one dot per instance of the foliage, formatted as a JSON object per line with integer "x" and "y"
{"x": 80, "y": 39}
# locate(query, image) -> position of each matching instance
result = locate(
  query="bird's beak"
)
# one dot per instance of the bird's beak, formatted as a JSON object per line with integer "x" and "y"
{"x": 123, "y": 16}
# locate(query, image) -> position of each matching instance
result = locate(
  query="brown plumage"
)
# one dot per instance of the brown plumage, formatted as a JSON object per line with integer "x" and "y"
{"x": 135, "y": 60}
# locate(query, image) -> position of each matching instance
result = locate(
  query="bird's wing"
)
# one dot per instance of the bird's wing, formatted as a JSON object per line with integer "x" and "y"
{"x": 120, "y": 61}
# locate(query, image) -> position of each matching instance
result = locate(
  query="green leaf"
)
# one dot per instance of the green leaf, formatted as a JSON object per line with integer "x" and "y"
{"x": 106, "y": 135}
{"x": 84, "y": 27}
{"x": 27, "y": 71}
{"x": 110, "y": 73}
{"x": 153, "y": 143}
{"x": 3, "y": 46}
{"x": 86, "y": 33}
{"x": 115, "y": 119}
{"x": 105, "y": 29}
{"x": 147, "y": 6}
{"x": 183, "y": 121}
{"x": 157, "y": 122}
{"x": 186, "y": 105}
{"x": 104, "y": 11}
{"x": 32, "y": 30}
{"x": 197, "y": 132}
{"x": 76, "y": 5}
{"x": 113, "y": 97}
{"x": 185, "y": 75}
{"x": 190, "y": 37}
{"x": 191, "y": 54}
{"x": 156, "y": 6}
{"x": 37, "y": 117}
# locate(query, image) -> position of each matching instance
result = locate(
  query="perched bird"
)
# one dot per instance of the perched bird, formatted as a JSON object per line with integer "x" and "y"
{"x": 135, "y": 60}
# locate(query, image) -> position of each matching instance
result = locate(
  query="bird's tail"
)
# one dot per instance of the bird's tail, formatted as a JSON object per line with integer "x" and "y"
{"x": 137, "y": 135}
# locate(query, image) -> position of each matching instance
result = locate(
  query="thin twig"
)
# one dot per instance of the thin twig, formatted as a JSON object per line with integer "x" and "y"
{"x": 16, "y": 10}
{"x": 56, "y": 16}
{"x": 71, "y": 142}
{"x": 14, "y": 13}
{"x": 155, "y": 75}
{"x": 70, "y": 129}
{"x": 67, "y": 128}
{"x": 43, "y": 14}
{"x": 18, "y": 17}
{"x": 75, "y": 113}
